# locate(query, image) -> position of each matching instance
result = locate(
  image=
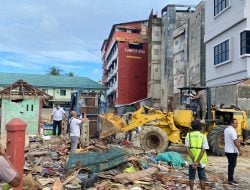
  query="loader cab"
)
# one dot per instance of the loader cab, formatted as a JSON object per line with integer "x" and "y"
{"x": 220, "y": 119}
{"x": 224, "y": 116}
{"x": 188, "y": 100}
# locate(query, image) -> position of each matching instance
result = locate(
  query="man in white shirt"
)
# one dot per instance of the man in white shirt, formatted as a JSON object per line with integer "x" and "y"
{"x": 57, "y": 116}
{"x": 8, "y": 173}
{"x": 74, "y": 130}
{"x": 232, "y": 149}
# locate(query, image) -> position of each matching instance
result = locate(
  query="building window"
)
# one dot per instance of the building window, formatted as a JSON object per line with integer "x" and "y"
{"x": 62, "y": 92}
{"x": 156, "y": 51}
{"x": 221, "y": 52}
{"x": 157, "y": 33}
{"x": 45, "y": 90}
{"x": 245, "y": 42}
{"x": 220, "y": 5}
{"x": 135, "y": 46}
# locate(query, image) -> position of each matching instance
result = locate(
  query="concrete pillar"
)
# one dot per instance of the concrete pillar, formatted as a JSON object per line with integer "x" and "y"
{"x": 15, "y": 145}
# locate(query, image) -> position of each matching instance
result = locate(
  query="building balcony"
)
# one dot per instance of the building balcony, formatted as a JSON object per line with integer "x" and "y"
{"x": 112, "y": 58}
{"x": 112, "y": 73}
{"x": 112, "y": 88}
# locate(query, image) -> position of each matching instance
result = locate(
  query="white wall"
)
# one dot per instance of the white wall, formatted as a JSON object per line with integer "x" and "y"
{"x": 224, "y": 20}
{"x": 233, "y": 70}
{"x": 227, "y": 25}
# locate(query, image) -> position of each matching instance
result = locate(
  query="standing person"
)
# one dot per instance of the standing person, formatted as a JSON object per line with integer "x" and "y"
{"x": 196, "y": 145}
{"x": 201, "y": 110}
{"x": 57, "y": 116}
{"x": 8, "y": 173}
{"x": 74, "y": 130}
{"x": 128, "y": 134}
{"x": 232, "y": 149}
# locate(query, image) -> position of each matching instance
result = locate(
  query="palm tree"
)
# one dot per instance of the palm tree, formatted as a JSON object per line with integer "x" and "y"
{"x": 54, "y": 71}
{"x": 70, "y": 74}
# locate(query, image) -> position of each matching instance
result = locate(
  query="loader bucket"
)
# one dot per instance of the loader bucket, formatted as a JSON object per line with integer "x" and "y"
{"x": 110, "y": 124}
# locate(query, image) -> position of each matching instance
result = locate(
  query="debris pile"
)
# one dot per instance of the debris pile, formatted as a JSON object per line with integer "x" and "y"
{"x": 50, "y": 166}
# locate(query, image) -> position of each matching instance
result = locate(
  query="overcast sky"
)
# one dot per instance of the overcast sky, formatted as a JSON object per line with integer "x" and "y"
{"x": 38, "y": 34}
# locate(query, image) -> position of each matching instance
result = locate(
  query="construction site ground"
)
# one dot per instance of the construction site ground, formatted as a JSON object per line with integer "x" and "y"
{"x": 46, "y": 160}
{"x": 217, "y": 167}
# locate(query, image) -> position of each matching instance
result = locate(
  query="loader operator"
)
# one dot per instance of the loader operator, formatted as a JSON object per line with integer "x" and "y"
{"x": 201, "y": 109}
{"x": 196, "y": 145}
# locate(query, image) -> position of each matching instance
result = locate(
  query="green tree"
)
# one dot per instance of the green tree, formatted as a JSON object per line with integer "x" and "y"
{"x": 70, "y": 74}
{"x": 54, "y": 71}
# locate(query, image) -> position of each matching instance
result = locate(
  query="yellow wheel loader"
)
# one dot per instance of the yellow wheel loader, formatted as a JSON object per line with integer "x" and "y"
{"x": 159, "y": 129}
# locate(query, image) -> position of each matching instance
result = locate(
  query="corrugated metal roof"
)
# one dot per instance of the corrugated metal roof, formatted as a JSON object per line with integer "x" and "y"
{"x": 50, "y": 81}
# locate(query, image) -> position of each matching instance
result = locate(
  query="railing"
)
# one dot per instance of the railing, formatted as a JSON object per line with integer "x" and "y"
{"x": 112, "y": 88}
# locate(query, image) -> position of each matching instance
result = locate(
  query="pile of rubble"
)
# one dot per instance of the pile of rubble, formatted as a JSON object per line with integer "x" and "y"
{"x": 49, "y": 165}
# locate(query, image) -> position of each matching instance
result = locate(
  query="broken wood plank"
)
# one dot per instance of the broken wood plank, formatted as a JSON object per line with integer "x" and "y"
{"x": 70, "y": 178}
{"x": 38, "y": 161}
{"x": 44, "y": 181}
{"x": 40, "y": 153}
{"x": 57, "y": 185}
{"x": 131, "y": 177}
{"x": 100, "y": 146}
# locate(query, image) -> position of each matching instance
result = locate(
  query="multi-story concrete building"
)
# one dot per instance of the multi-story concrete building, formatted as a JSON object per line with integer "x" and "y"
{"x": 173, "y": 16}
{"x": 154, "y": 59}
{"x": 182, "y": 53}
{"x": 196, "y": 65}
{"x": 125, "y": 57}
{"x": 189, "y": 51}
{"x": 180, "y": 56}
{"x": 227, "y": 38}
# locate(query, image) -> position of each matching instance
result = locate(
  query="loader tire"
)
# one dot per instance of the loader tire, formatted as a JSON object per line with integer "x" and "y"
{"x": 216, "y": 141}
{"x": 154, "y": 138}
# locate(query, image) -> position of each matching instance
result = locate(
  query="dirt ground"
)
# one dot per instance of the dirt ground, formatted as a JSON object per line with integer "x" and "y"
{"x": 216, "y": 169}
{"x": 218, "y": 166}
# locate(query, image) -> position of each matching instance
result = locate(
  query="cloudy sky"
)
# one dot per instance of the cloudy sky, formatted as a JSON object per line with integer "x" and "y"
{"x": 38, "y": 34}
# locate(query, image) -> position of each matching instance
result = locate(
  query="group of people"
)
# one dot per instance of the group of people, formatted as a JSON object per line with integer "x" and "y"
{"x": 195, "y": 142}
{"x": 74, "y": 125}
{"x": 196, "y": 146}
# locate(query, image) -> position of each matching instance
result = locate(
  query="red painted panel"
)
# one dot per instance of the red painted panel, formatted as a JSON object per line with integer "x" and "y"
{"x": 132, "y": 73}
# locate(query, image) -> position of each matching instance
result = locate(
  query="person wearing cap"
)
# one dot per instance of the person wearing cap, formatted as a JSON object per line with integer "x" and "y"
{"x": 196, "y": 146}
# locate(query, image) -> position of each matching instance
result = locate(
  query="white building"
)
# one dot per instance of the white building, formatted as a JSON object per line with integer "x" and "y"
{"x": 227, "y": 38}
